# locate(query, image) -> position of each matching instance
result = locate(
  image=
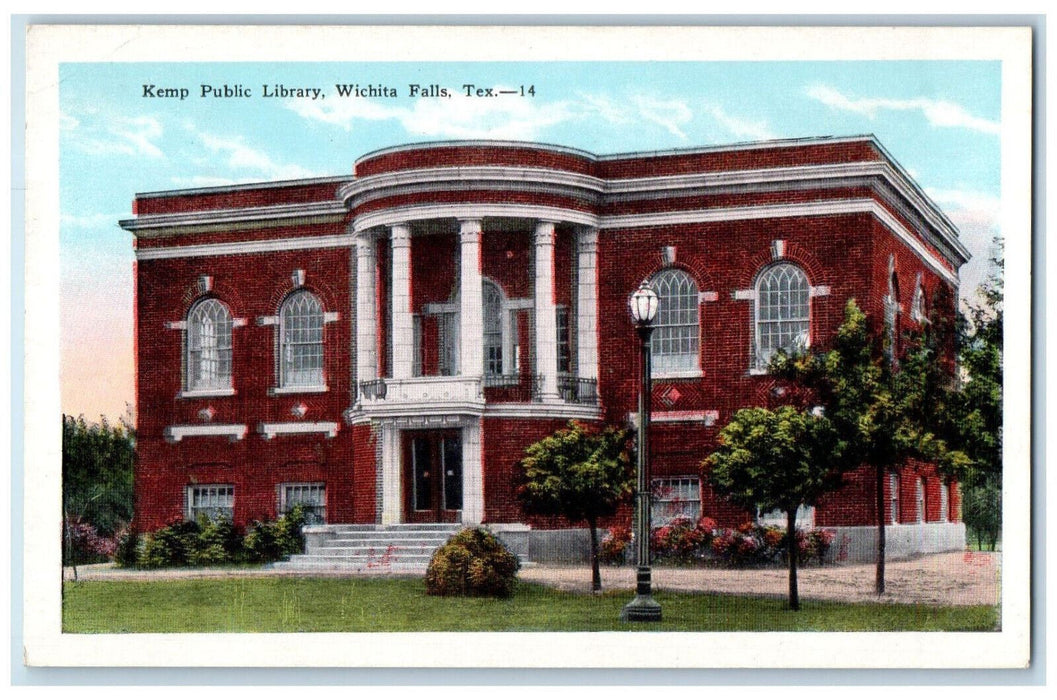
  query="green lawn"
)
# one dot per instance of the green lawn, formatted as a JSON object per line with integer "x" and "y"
{"x": 401, "y": 605}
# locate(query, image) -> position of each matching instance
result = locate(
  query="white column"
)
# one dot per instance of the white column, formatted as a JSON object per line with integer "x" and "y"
{"x": 403, "y": 327}
{"x": 546, "y": 323}
{"x": 391, "y": 510}
{"x": 472, "y": 475}
{"x": 587, "y": 303}
{"x": 471, "y": 312}
{"x": 366, "y": 318}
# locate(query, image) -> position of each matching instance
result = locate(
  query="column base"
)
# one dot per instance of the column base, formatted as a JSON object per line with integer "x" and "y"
{"x": 643, "y": 608}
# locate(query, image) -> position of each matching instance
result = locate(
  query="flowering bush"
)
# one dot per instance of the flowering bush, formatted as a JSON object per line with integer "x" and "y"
{"x": 82, "y": 543}
{"x": 614, "y": 545}
{"x": 749, "y": 544}
{"x": 680, "y": 540}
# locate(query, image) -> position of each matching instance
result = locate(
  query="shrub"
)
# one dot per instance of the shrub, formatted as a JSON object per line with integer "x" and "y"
{"x": 219, "y": 542}
{"x": 173, "y": 545}
{"x": 473, "y": 562}
{"x": 127, "y": 552}
{"x": 680, "y": 541}
{"x": 615, "y": 545}
{"x": 82, "y": 543}
{"x": 267, "y": 542}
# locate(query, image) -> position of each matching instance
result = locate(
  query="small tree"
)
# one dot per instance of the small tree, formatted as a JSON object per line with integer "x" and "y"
{"x": 578, "y": 474}
{"x": 883, "y": 416}
{"x": 777, "y": 460}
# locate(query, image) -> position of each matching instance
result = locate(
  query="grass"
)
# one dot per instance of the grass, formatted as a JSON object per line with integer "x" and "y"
{"x": 401, "y": 605}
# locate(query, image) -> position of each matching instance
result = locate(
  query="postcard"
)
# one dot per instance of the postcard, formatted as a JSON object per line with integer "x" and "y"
{"x": 542, "y": 347}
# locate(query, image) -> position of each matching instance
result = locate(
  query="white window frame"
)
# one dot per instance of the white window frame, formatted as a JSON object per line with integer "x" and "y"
{"x": 805, "y": 518}
{"x": 492, "y": 328}
{"x": 687, "y": 490}
{"x": 319, "y": 487}
{"x": 781, "y": 313}
{"x": 219, "y": 497}
{"x": 676, "y": 341}
{"x": 921, "y": 502}
{"x": 945, "y": 501}
{"x": 215, "y": 380}
{"x": 312, "y": 380}
{"x": 893, "y": 497}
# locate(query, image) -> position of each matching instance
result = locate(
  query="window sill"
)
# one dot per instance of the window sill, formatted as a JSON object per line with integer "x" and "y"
{"x": 205, "y": 393}
{"x": 684, "y": 374}
{"x": 282, "y": 390}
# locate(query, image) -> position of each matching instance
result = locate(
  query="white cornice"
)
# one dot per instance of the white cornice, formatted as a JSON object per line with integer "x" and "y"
{"x": 159, "y": 225}
{"x": 543, "y": 410}
{"x": 243, "y": 247}
{"x": 397, "y": 215}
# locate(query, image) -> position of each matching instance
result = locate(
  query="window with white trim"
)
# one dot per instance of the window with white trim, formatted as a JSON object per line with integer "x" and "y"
{"x": 805, "y": 518}
{"x": 301, "y": 341}
{"x": 211, "y": 501}
{"x": 492, "y": 307}
{"x": 920, "y": 501}
{"x": 676, "y": 497}
{"x": 893, "y": 498}
{"x": 945, "y": 501}
{"x": 891, "y": 329}
{"x": 783, "y": 312}
{"x": 311, "y": 497}
{"x": 676, "y": 330}
{"x": 208, "y": 346}
{"x": 565, "y": 358}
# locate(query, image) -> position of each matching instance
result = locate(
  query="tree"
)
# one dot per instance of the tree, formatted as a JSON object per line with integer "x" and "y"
{"x": 777, "y": 460}
{"x": 978, "y": 408}
{"x": 578, "y": 474}
{"x": 885, "y": 409}
{"x": 97, "y": 489}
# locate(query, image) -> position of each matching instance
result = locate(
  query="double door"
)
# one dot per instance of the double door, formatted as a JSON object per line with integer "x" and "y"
{"x": 432, "y": 476}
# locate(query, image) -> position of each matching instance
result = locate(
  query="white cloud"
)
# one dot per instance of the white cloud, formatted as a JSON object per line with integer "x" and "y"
{"x": 976, "y": 214}
{"x": 671, "y": 114}
{"x": 740, "y": 127}
{"x": 113, "y": 134}
{"x": 456, "y": 117}
{"x": 939, "y": 113}
{"x": 241, "y": 156}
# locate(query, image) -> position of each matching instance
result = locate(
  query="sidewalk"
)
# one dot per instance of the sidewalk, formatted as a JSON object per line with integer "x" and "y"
{"x": 956, "y": 578}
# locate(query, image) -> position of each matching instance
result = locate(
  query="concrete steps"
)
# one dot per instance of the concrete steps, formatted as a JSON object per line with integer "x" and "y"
{"x": 378, "y": 549}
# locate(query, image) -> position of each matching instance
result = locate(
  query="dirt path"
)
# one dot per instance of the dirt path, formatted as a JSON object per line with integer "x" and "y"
{"x": 957, "y": 578}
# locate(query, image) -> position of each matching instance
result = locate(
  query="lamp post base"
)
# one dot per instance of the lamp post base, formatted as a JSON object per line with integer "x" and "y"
{"x": 643, "y": 608}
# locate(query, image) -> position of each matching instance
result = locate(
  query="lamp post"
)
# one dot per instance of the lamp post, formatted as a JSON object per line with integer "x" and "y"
{"x": 643, "y": 608}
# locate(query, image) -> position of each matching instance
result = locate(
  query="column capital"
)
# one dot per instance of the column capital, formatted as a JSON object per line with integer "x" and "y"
{"x": 545, "y": 232}
{"x": 469, "y": 226}
{"x": 400, "y": 234}
{"x": 587, "y": 240}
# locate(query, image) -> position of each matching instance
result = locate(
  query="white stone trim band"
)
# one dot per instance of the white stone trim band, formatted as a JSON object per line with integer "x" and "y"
{"x": 176, "y": 433}
{"x": 270, "y": 430}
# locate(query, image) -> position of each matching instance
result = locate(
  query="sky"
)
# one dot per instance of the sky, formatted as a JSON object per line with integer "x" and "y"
{"x": 939, "y": 119}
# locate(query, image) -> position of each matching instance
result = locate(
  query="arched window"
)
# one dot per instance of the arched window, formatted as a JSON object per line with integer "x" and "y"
{"x": 492, "y": 308}
{"x": 891, "y": 339}
{"x": 676, "y": 328}
{"x": 783, "y": 312}
{"x": 208, "y": 346}
{"x": 301, "y": 341}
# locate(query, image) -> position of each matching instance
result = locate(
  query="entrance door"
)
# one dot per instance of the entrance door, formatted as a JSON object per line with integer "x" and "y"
{"x": 432, "y": 476}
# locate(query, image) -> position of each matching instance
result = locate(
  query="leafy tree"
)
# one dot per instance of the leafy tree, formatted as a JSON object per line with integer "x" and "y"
{"x": 578, "y": 474}
{"x": 97, "y": 461}
{"x": 978, "y": 407}
{"x": 777, "y": 460}
{"x": 886, "y": 410}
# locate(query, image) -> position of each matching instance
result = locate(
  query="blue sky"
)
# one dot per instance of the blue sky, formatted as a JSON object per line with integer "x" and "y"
{"x": 939, "y": 119}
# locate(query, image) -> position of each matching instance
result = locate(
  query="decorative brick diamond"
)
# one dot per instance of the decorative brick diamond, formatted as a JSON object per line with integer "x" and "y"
{"x": 670, "y": 395}
{"x": 299, "y": 410}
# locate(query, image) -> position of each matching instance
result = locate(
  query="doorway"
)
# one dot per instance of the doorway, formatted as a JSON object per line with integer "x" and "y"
{"x": 432, "y": 476}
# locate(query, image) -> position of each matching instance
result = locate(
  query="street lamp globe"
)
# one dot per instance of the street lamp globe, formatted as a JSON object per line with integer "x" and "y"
{"x": 643, "y": 304}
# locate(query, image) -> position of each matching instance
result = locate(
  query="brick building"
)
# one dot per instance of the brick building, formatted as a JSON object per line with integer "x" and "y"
{"x": 383, "y": 346}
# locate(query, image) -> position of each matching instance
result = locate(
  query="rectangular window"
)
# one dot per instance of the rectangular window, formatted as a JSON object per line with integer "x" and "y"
{"x": 893, "y": 498}
{"x": 921, "y": 501}
{"x": 678, "y": 497}
{"x": 564, "y": 350}
{"x": 805, "y": 518}
{"x": 312, "y": 497}
{"x": 212, "y": 501}
{"x": 945, "y": 501}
